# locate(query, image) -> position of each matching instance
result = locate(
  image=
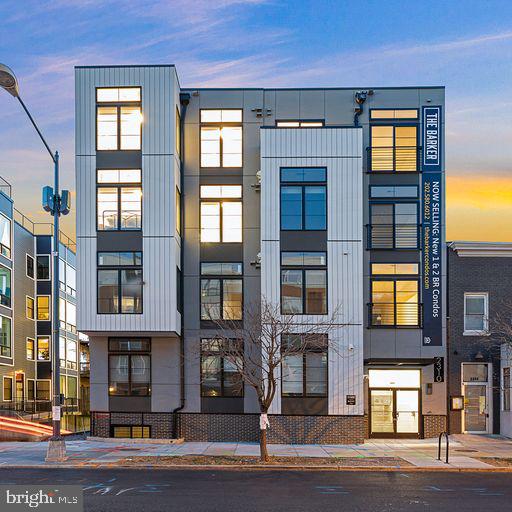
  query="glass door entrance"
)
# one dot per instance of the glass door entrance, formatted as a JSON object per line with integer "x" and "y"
{"x": 394, "y": 412}
{"x": 475, "y": 408}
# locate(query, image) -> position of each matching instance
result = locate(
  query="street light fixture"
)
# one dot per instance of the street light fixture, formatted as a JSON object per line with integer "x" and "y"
{"x": 57, "y": 204}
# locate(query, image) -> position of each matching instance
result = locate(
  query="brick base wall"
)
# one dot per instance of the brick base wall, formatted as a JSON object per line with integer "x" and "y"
{"x": 433, "y": 425}
{"x": 239, "y": 427}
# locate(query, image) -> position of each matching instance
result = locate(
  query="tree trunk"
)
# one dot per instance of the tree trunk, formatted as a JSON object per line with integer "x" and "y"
{"x": 263, "y": 445}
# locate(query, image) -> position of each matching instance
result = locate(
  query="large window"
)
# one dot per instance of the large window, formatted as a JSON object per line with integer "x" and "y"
{"x": 7, "y": 389}
{"x": 221, "y": 291}
{"x": 31, "y": 350}
{"x": 43, "y": 348}
{"x": 303, "y": 198}
{"x": 221, "y": 361}
{"x": 5, "y": 337}
{"x": 71, "y": 354}
{"x": 129, "y": 367}
{"x": 5, "y": 236}
{"x": 120, "y": 282}
{"x": 476, "y": 313}
{"x": 43, "y": 307}
{"x": 221, "y": 213}
{"x": 119, "y": 199}
{"x": 119, "y": 118}
{"x": 393, "y": 149}
{"x": 5, "y": 286}
{"x": 303, "y": 283}
{"x": 221, "y": 138}
{"x": 30, "y": 307}
{"x": 393, "y": 226}
{"x": 304, "y": 368}
{"x": 43, "y": 390}
{"x": 395, "y": 295}
{"x": 43, "y": 267}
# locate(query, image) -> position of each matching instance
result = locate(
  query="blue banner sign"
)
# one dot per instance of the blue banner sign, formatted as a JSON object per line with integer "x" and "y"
{"x": 432, "y": 235}
{"x": 432, "y": 136}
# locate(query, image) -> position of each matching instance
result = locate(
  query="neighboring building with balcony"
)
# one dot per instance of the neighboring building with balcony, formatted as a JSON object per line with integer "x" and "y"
{"x": 26, "y": 302}
{"x": 195, "y": 203}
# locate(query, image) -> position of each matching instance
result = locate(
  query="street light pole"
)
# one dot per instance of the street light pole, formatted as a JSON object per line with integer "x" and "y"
{"x": 57, "y": 204}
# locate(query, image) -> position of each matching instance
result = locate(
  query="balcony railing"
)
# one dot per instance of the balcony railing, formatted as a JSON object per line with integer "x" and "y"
{"x": 394, "y": 159}
{"x": 395, "y": 314}
{"x": 393, "y": 236}
{"x": 85, "y": 367}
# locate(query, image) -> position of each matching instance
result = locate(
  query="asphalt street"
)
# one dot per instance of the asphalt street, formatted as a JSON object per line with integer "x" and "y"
{"x": 156, "y": 490}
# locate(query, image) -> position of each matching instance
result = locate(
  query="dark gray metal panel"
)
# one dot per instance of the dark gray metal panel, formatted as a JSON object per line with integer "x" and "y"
{"x": 221, "y": 252}
{"x": 222, "y": 404}
{"x": 306, "y": 405}
{"x": 119, "y": 159}
{"x": 119, "y": 241}
{"x": 130, "y": 403}
{"x": 303, "y": 240}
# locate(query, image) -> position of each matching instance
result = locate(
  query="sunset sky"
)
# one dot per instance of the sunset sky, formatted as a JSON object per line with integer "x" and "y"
{"x": 463, "y": 45}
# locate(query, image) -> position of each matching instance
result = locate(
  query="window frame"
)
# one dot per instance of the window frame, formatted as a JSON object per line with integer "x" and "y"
{"x": 129, "y": 353}
{"x": 117, "y": 105}
{"x": 49, "y": 389}
{"x": 27, "y": 394}
{"x": 10, "y": 270}
{"x": 394, "y": 278}
{"x": 9, "y": 249}
{"x": 303, "y": 268}
{"x": 394, "y": 123}
{"x": 507, "y": 391}
{"x": 303, "y": 185}
{"x": 315, "y": 350}
{"x": 49, "y": 338}
{"x": 49, "y": 319}
{"x": 33, "y": 307}
{"x": 300, "y": 121}
{"x": 119, "y": 186}
{"x": 221, "y": 278}
{"x": 393, "y": 203}
{"x": 47, "y": 256}
{"x": 396, "y": 119}
{"x": 220, "y": 125}
{"x": 11, "y": 340}
{"x": 34, "y": 348}
{"x": 474, "y": 332}
{"x": 119, "y": 269}
{"x": 210, "y": 353}
{"x": 221, "y": 201}
{"x": 7, "y": 377}
{"x": 33, "y": 276}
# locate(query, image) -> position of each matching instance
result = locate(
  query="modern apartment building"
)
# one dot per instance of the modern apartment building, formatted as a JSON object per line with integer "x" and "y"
{"x": 26, "y": 320}
{"x": 196, "y": 204}
{"x": 479, "y": 309}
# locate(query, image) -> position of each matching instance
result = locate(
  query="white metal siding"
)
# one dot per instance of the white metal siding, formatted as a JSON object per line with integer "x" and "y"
{"x": 340, "y": 151}
{"x": 160, "y": 176}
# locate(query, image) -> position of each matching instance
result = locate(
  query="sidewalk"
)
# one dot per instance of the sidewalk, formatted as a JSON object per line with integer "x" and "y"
{"x": 465, "y": 450}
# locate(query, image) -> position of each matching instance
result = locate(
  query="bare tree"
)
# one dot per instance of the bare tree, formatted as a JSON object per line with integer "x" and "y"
{"x": 259, "y": 347}
{"x": 500, "y": 325}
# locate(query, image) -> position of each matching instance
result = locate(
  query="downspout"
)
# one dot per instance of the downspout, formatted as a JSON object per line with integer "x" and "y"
{"x": 360, "y": 98}
{"x": 184, "y": 101}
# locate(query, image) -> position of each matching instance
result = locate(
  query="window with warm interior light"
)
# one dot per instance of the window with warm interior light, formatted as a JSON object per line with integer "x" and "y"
{"x": 221, "y": 138}
{"x": 5, "y": 336}
{"x": 30, "y": 307}
{"x": 43, "y": 307}
{"x": 304, "y": 123}
{"x": 43, "y": 348}
{"x": 395, "y": 295}
{"x": 393, "y": 148}
{"x": 30, "y": 349}
{"x": 119, "y": 118}
{"x": 119, "y": 199}
{"x": 221, "y": 213}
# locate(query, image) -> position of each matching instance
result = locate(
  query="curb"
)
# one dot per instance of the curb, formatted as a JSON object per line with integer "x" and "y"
{"x": 224, "y": 467}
